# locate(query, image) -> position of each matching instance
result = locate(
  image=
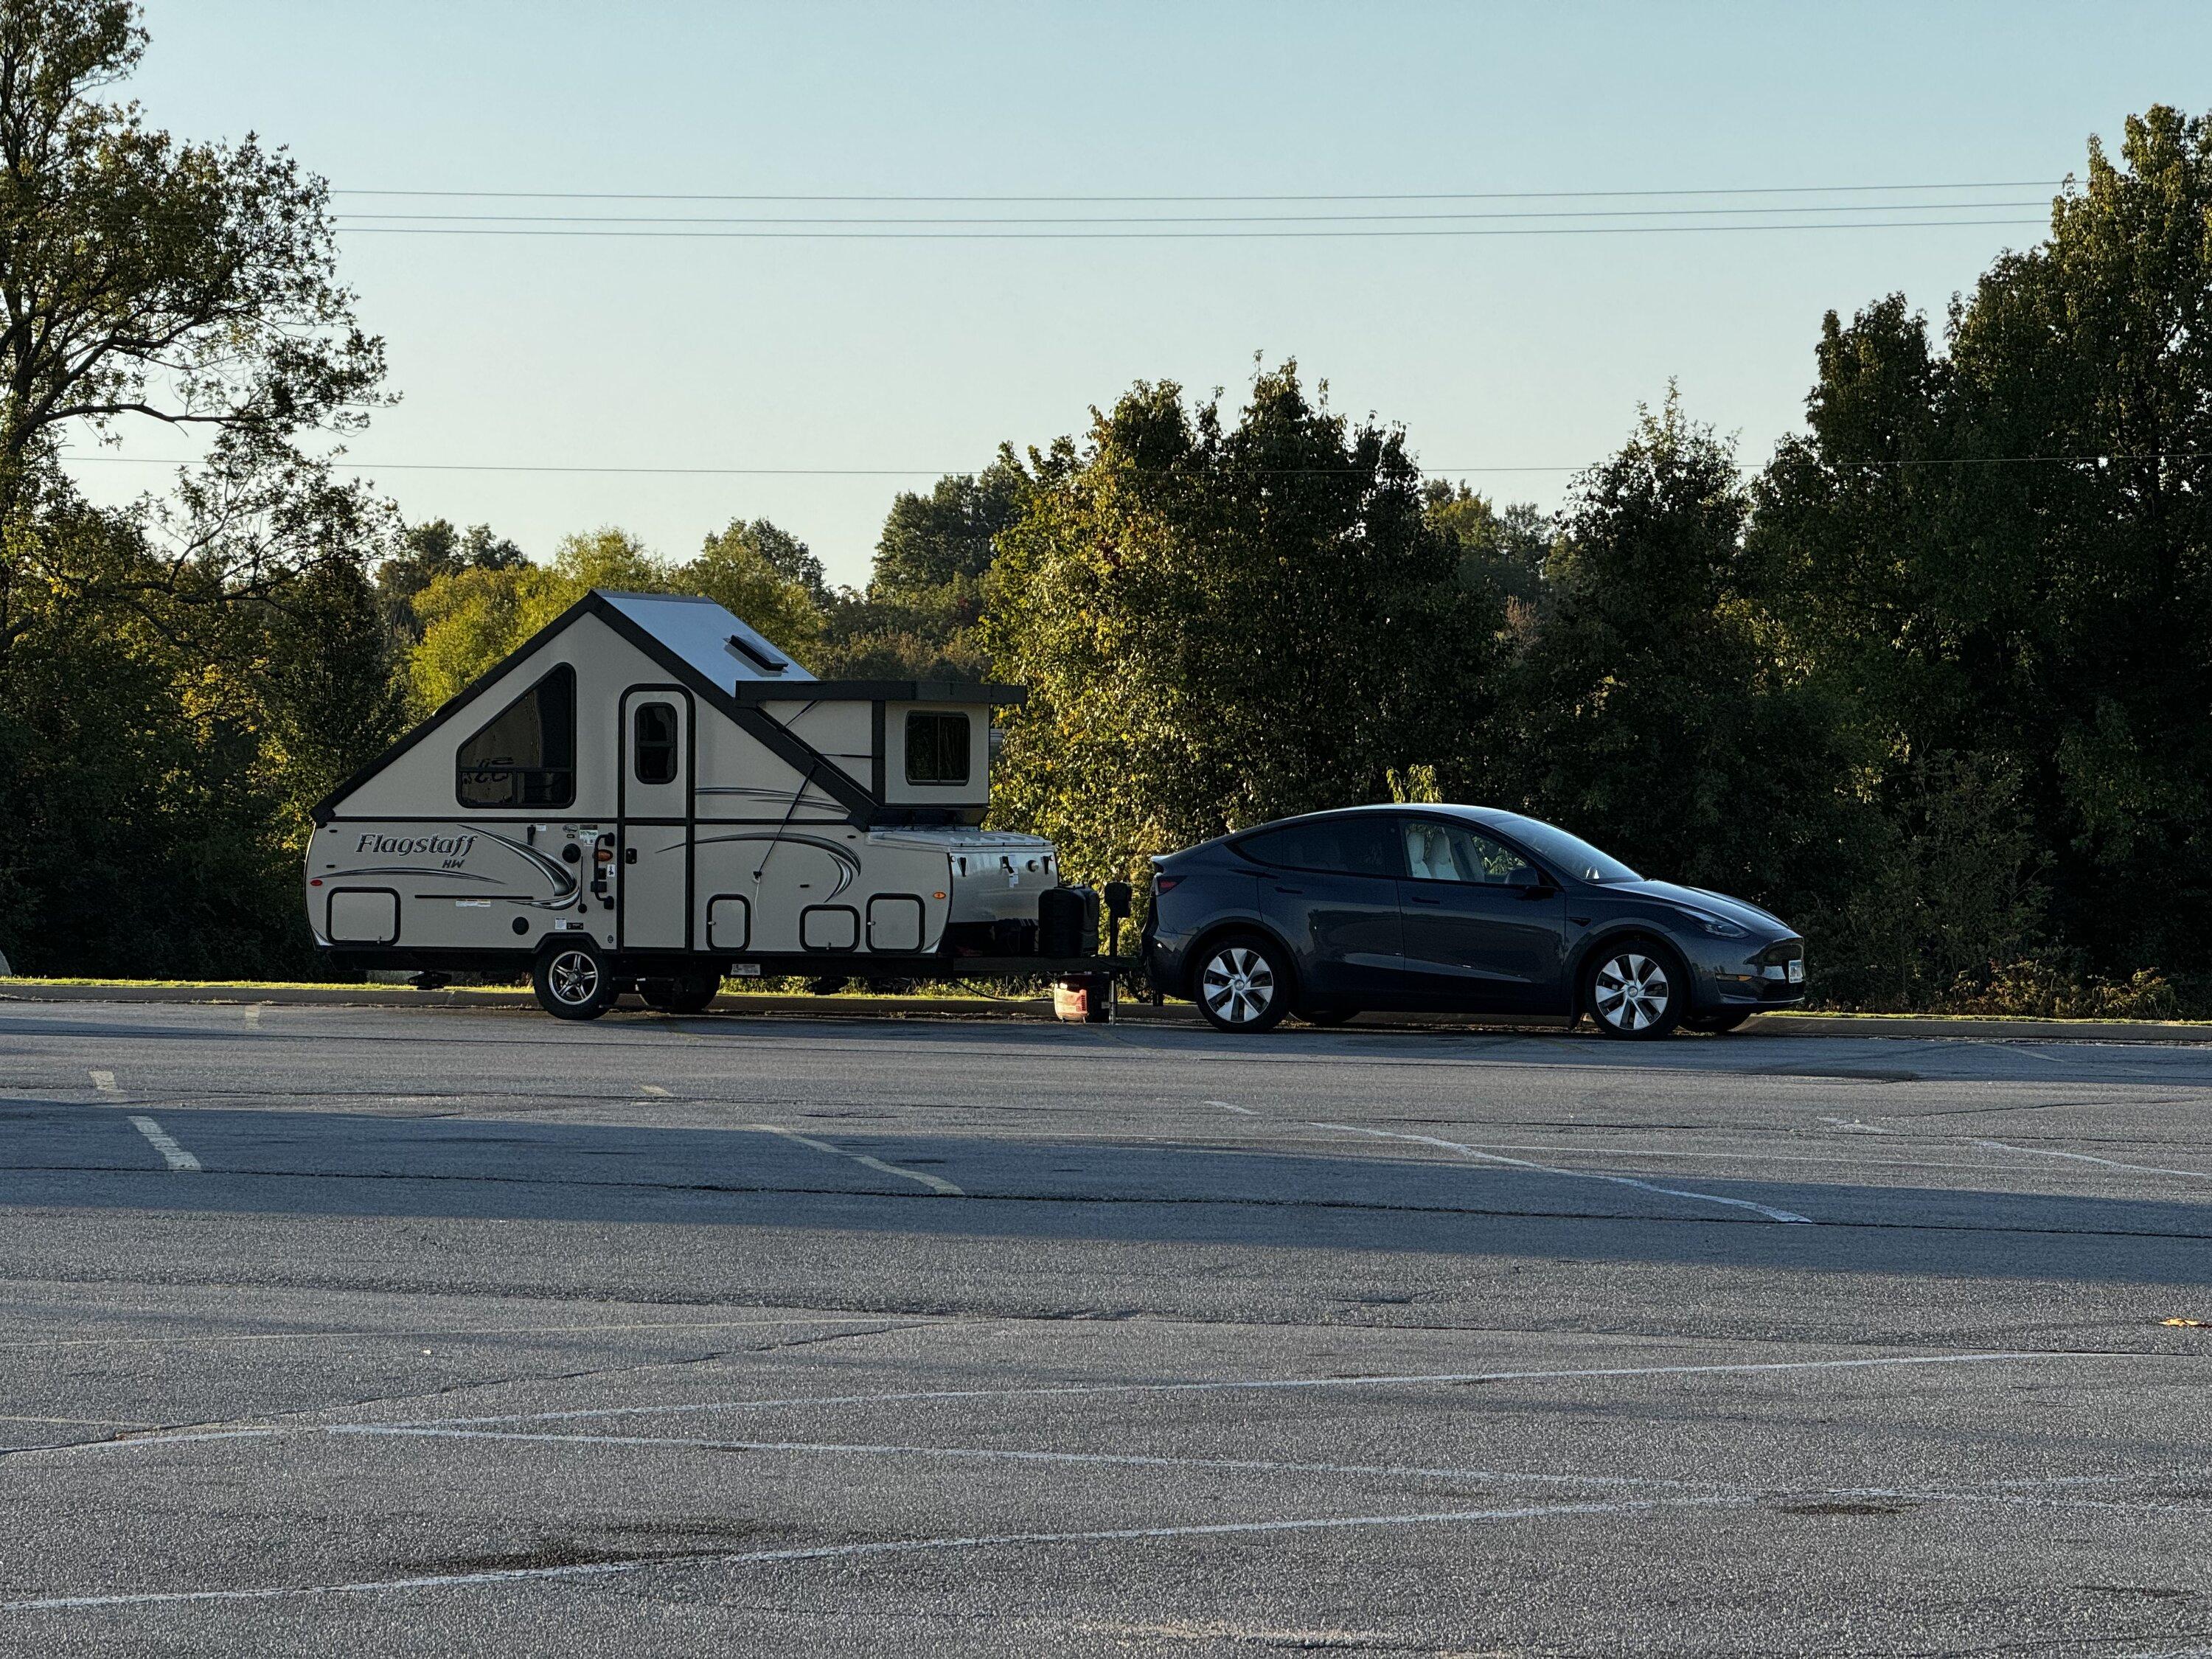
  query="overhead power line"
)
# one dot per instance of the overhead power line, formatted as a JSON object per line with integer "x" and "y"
{"x": 1203, "y": 219}
{"x": 579, "y": 233}
{"x": 1431, "y": 468}
{"x": 1349, "y": 196}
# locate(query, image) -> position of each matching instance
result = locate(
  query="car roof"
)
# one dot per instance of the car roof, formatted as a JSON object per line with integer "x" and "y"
{"x": 1489, "y": 816}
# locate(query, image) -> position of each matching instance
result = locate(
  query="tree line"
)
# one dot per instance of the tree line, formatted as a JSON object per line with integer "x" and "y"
{"x": 1931, "y": 681}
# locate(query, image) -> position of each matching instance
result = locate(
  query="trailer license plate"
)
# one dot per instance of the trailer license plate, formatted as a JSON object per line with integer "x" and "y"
{"x": 1798, "y": 971}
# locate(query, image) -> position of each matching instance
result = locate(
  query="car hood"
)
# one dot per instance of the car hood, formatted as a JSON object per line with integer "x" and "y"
{"x": 1697, "y": 898}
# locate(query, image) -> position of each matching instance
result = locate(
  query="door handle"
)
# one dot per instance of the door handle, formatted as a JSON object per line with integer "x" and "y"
{"x": 1418, "y": 899}
{"x": 1289, "y": 890}
{"x": 630, "y": 855}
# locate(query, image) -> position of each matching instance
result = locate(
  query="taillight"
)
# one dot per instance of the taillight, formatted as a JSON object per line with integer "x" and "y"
{"x": 1166, "y": 884}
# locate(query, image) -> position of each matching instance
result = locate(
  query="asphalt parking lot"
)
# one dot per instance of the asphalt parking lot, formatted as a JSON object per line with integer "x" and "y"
{"x": 366, "y": 1330}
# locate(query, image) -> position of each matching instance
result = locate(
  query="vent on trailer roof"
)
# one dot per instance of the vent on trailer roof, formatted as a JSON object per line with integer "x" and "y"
{"x": 760, "y": 658}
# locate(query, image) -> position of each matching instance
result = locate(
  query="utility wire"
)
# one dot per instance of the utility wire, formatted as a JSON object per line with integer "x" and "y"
{"x": 1370, "y": 195}
{"x": 1152, "y": 235}
{"x": 352, "y": 218}
{"x": 1431, "y": 469}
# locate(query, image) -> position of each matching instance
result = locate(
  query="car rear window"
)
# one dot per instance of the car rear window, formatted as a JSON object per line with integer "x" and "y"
{"x": 1363, "y": 846}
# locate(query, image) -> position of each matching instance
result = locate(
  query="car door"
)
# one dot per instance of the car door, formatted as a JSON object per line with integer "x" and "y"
{"x": 1330, "y": 890}
{"x": 1485, "y": 928}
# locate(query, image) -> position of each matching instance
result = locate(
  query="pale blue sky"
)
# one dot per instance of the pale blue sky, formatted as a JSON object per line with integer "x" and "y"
{"x": 1505, "y": 351}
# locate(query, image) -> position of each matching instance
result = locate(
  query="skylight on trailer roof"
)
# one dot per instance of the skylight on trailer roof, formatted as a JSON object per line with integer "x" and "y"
{"x": 723, "y": 647}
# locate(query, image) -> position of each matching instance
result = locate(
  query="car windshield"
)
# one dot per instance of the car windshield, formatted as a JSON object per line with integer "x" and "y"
{"x": 1570, "y": 854}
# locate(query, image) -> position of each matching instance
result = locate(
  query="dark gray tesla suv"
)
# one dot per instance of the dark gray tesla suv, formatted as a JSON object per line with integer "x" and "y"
{"x": 1459, "y": 909}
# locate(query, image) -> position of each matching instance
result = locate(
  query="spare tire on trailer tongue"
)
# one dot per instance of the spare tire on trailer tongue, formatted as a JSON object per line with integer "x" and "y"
{"x": 1067, "y": 922}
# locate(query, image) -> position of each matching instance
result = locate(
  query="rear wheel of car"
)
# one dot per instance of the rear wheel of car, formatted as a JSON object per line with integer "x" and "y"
{"x": 687, "y": 994}
{"x": 1715, "y": 1024}
{"x": 573, "y": 982}
{"x": 1243, "y": 984}
{"x": 1634, "y": 990}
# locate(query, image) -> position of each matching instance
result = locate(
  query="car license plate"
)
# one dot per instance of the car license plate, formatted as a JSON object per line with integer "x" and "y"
{"x": 1798, "y": 971}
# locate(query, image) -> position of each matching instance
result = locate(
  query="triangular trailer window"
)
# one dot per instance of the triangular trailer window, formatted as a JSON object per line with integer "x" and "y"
{"x": 527, "y": 755}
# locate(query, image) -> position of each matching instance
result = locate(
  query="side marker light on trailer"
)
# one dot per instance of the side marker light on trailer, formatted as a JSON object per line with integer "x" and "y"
{"x": 937, "y": 895}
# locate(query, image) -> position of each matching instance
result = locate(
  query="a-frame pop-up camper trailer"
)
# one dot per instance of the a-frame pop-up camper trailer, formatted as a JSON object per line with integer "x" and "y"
{"x": 650, "y": 794}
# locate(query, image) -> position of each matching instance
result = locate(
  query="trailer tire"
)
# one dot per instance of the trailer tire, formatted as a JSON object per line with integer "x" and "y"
{"x": 573, "y": 981}
{"x": 687, "y": 994}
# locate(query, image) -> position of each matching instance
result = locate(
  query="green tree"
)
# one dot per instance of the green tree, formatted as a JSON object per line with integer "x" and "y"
{"x": 473, "y": 617}
{"x": 1220, "y": 624}
{"x": 179, "y": 678}
{"x": 191, "y": 285}
{"x": 2002, "y": 548}
{"x": 1649, "y": 712}
{"x": 917, "y": 619}
{"x": 425, "y": 552}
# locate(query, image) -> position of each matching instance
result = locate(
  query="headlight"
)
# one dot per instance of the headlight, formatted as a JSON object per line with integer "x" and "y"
{"x": 1718, "y": 926}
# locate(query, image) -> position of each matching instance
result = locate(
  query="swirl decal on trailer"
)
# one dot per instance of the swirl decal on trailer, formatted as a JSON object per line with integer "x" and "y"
{"x": 558, "y": 876}
{"x": 848, "y": 867}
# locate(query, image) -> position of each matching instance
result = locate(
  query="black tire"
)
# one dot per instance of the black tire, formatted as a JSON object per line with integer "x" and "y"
{"x": 1242, "y": 983}
{"x": 1716, "y": 1024}
{"x": 688, "y": 993}
{"x": 1328, "y": 1017}
{"x": 1635, "y": 990}
{"x": 573, "y": 981}
{"x": 827, "y": 985}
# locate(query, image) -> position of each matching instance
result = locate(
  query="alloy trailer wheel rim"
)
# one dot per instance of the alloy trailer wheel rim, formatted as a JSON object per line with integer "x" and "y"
{"x": 1238, "y": 985}
{"x": 1632, "y": 993}
{"x": 574, "y": 978}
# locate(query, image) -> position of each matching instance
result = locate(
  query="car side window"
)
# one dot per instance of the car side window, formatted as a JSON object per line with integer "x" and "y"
{"x": 1449, "y": 852}
{"x": 1363, "y": 846}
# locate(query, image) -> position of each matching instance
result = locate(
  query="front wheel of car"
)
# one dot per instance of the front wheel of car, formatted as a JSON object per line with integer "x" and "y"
{"x": 1634, "y": 991}
{"x": 1243, "y": 985}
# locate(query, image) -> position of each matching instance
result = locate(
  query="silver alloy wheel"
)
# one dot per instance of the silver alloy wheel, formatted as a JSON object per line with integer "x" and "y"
{"x": 1237, "y": 985}
{"x": 573, "y": 977}
{"x": 1633, "y": 992}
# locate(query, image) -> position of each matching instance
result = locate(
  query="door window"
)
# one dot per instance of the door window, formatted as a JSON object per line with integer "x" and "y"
{"x": 652, "y": 743}
{"x": 527, "y": 755}
{"x": 1361, "y": 846}
{"x": 1451, "y": 852}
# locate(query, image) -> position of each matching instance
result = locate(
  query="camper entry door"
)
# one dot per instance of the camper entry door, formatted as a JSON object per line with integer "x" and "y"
{"x": 653, "y": 864}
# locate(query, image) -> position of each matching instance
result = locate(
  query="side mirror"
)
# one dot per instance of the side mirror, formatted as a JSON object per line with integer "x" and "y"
{"x": 1531, "y": 882}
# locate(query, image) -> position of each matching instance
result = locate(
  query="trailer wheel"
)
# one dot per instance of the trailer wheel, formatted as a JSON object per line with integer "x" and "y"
{"x": 573, "y": 982}
{"x": 687, "y": 994}
{"x": 1243, "y": 985}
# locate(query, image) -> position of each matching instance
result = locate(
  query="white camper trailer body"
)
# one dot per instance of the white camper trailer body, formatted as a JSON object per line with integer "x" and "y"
{"x": 651, "y": 778}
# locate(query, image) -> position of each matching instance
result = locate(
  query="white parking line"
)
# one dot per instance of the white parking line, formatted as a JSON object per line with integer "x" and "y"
{"x": 935, "y": 1184}
{"x": 1243, "y": 1111}
{"x": 1768, "y": 1211}
{"x": 889, "y": 1547}
{"x": 178, "y": 1158}
{"x": 651, "y": 1089}
{"x": 2084, "y": 1158}
{"x": 994, "y": 1454}
{"x": 1063, "y": 1390}
{"x": 104, "y": 1081}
